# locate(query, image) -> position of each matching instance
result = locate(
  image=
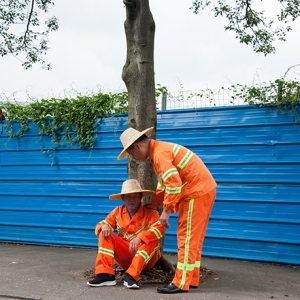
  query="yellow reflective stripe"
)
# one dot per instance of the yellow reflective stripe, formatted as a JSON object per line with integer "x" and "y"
{"x": 106, "y": 251}
{"x": 156, "y": 232}
{"x": 154, "y": 224}
{"x": 129, "y": 236}
{"x": 197, "y": 264}
{"x": 146, "y": 256}
{"x": 189, "y": 267}
{"x": 185, "y": 267}
{"x": 143, "y": 254}
{"x": 173, "y": 190}
{"x": 185, "y": 159}
{"x": 156, "y": 249}
{"x": 176, "y": 149}
{"x": 105, "y": 222}
{"x": 160, "y": 187}
{"x": 168, "y": 173}
{"x": 121, "y": 230}
{"x": 187, "y": 244}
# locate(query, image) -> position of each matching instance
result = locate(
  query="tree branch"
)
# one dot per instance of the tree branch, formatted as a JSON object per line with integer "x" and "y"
{"x": 28, "y": 24}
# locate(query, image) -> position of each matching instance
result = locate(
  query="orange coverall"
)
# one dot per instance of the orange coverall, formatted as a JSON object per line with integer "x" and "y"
{"x": 184, "y": 185}
{"x": 146, "y": 225}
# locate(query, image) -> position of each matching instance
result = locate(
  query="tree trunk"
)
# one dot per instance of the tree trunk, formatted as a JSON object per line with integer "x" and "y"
{"x": 138, "y": 75}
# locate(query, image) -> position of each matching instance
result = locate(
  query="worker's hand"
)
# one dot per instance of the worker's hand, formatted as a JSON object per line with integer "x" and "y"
{"x": 164, "y": 218}
{"x": 134, "y": 243}
{"x": 106, "y": 231}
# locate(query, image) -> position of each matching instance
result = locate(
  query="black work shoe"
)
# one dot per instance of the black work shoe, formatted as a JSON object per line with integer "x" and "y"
{"x": 170, "y": 289}
{"x": 130, "y": 282}
{"x": 193, "y": 286}
{"x": 103, "y": 280}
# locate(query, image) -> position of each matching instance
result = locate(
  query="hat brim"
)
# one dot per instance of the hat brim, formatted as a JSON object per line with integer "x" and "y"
{"x": 124, "y": 153}
{"x": 145, "y": 193}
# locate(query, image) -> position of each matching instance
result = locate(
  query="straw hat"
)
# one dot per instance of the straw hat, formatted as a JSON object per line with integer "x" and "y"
{"x": 131, "y": 186}
{"x": 128, "y": 137}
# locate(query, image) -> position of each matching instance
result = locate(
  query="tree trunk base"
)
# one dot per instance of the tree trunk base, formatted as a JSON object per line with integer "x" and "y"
{"x": 156, "y": 275}
{"x": 165, "y": 265}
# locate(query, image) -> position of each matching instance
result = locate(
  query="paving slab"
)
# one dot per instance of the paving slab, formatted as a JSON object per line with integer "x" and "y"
{"x": 30, "y": 272}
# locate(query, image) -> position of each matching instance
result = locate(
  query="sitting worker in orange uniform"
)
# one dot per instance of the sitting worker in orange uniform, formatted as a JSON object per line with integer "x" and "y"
{"x": 137, "y": 245}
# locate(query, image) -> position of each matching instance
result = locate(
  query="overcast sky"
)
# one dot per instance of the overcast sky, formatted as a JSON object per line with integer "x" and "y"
{"x": 89, "y": 50}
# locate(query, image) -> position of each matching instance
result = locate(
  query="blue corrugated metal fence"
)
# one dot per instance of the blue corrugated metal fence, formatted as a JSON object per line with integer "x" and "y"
{"x": 56, "y": 197}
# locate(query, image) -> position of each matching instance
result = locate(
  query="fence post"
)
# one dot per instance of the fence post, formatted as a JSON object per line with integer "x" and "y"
{"x": 279, "y": 90}
{"x": 164, "y": 101}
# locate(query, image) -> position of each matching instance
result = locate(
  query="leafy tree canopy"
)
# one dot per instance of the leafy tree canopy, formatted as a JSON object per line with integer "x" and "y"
{"x": 21, "y": 32}
{"x": 249, "y": 22}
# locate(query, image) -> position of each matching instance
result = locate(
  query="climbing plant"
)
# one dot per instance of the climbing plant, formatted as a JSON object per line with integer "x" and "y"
{"x": 282, "y": 93}
{"x": 66, "y": 120}
{"x": 74, "y": 120}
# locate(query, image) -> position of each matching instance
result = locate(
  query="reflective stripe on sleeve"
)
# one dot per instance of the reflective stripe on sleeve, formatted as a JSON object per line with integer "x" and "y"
{"x": 185, "y": 159}
{"x": 168, "y": 173}
{"x": 176, "y": 149}
{"x": 156, "y": 232}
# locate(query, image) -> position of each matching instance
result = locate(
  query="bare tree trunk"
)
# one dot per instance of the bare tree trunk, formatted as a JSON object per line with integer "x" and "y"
{"x": 138, "y": 75}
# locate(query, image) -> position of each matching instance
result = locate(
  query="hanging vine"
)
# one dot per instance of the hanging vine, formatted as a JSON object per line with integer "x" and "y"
{"x": 67, "y": 120}
{"x": 73, "y": 120}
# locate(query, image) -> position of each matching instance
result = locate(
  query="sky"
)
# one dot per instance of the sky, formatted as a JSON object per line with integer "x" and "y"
{"x": 192, "y": 52}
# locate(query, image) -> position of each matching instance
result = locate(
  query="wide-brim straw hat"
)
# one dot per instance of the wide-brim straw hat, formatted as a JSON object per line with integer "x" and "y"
{"x": 128, "y": 137}
{"x": 131, "y": 186}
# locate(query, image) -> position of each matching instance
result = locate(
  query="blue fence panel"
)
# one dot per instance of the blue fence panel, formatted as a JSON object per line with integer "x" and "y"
{"x": 55, "y": 197}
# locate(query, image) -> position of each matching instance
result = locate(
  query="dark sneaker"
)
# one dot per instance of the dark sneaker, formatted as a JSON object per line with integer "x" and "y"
{"x": 103, "y": 280}
{"x": 130, "y": 282}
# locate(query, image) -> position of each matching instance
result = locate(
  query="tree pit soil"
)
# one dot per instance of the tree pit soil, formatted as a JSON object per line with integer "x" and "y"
{"x": 152, "y": 276}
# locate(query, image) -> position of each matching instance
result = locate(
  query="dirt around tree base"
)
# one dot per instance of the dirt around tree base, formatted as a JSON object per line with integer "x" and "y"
{"x": 152, "y": 276}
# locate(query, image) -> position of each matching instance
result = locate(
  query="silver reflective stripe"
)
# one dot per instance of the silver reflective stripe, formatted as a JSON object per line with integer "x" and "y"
{"x": 176, "y": 149}
{"x": 168, "y": 173}
{"x": 173, "y": 190}
{"x": 185, "y": 159}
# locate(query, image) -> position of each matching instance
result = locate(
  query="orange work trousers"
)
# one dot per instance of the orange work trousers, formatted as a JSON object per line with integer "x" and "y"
{"x": 193, "y": 217}
{"x": 116, "y": 249}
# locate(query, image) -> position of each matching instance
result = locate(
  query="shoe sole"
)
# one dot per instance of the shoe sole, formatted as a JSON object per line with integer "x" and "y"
{"x": 171, "y": 292}
{"x": 106, "y": 283}
{"x": 134, "y": 286}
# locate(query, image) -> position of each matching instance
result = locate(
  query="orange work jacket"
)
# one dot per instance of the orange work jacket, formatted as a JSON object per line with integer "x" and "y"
{"x": 145, "y": 224}
{"x": 181, "y": 174}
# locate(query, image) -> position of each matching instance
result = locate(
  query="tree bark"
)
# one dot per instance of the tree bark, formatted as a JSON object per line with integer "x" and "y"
{"x": 138, "y": 75}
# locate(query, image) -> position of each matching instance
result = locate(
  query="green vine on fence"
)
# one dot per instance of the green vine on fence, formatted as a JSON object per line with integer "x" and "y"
{"x": 281, "y": 93}
{"x": 67, "y": 120}
{"x": 73, "y": 120}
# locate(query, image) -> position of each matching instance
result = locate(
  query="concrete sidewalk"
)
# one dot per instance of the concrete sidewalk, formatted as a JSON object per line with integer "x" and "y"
{"x": 55, "y": 273}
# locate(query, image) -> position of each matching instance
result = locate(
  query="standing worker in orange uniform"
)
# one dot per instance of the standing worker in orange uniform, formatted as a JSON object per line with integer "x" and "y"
{"x": 137, "y": 245}
{"x": 184, "y": 185}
